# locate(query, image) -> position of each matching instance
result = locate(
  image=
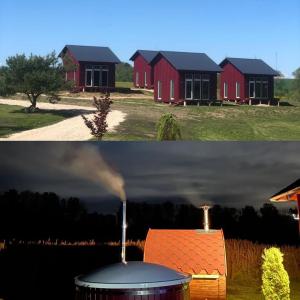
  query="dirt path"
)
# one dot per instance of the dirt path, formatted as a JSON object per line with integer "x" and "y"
{"x": 72, "y": 129}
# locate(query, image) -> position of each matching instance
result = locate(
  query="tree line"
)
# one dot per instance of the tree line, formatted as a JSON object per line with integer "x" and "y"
{"x": 33, "y": 216}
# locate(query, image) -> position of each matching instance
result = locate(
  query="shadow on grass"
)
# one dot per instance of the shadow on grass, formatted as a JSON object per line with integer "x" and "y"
{"x": 61, "y": 112}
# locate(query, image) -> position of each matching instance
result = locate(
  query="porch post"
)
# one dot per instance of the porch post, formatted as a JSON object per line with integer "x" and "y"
{"x": 298, "y": 201}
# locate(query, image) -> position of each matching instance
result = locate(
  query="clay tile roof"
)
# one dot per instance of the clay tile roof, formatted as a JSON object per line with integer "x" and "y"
{"x": 190, "y": 251}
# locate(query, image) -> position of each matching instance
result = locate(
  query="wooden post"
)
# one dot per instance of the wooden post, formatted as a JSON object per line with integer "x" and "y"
{"x": 298, "y": 202}
{"x": 250, "y": 102}
{"x": 184, "y": 103}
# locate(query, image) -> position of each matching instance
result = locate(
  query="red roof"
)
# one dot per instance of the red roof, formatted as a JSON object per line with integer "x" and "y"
{"x": 195, "y": 252}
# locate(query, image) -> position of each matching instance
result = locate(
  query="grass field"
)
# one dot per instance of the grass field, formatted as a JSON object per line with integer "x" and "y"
{"x": 13, "y": 119}
{"x": 215, "y": 123}
{"x": 124, "y": 84}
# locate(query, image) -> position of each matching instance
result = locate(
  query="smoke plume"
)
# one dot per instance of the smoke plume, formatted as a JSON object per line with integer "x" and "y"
{"x": 86, "y": 162}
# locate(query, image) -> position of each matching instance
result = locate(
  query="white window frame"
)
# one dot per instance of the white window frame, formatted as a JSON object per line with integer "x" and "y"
{"x": 92, "y": 77}
{"x": 137, "y": 79}
{"x": 205, "y": 80}
{"x": 172, "y": 89}
{"x": 159, "y": 90}
{"x": 252, "y": 82}
{"x": 200, "y": 82}
{"x": 145, "y": 79}
{"x": 107, "y": 73}
{"x": 237, "y": 90}
{"x": 265, "y": 82}
{"x": 192, "y": 86}
{"x": 225, "y": 90}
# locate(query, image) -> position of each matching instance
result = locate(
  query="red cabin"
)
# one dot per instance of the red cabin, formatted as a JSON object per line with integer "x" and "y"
{"x": 95, "y": 67}
{"x": 247, "y": 81}
{"x": 142, "y": 69}
{"x": 184, "y": 77}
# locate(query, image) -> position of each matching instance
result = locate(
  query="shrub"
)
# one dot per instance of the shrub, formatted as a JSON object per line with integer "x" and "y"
{"x": 275, "y": 279}
{"x": 168, "y": 128}
{"x": 98, "y": 124}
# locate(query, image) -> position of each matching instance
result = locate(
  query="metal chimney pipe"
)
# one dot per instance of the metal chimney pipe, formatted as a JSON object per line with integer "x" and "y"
{"x": 206, "y": 217}
{"x": 124, "y": 225}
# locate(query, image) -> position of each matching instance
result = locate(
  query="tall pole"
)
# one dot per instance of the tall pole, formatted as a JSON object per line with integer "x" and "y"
{"x": 123, "y": 255}
{"x": 206, "y": 218}
{"x": 298, "y": 202}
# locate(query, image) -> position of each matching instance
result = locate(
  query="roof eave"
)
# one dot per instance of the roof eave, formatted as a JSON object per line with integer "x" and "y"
{"x": 286, "y": 196}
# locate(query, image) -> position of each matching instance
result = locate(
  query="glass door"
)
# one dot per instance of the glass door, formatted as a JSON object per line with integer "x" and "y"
{"x": 251, "y": 89}
{"x": 189, "y": 86}
{"x": 205, "y": 89}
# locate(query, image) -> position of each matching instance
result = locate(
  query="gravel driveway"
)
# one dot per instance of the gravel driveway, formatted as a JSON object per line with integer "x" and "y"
{"x": 72, "y": 129}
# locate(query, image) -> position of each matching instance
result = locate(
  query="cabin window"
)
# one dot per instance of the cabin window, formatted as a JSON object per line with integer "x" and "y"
{"x": 237, "y": 90}
{"x": 159, "y": 90}
{"x": 225, "y": 90}
{"x": 137, "y": 79}
{"x": 96, "y": 81}
{"x": 252, "y": 89}
{"x": 197, "y": 89}
{"x": 145, "y": 78}
{"x": 188, "y": 89}
{"x": 205, "y": 89}
{"x": 104, "y": 78}
{"x": 257, "y": 89}
{"x": 265, "y": 89}
{"x": 172, "y": 89}
{"x": 88, "y": 77}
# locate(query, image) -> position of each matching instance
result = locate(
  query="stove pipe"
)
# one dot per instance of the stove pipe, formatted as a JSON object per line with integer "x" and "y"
{"x": 123, "y": 254}
{"x": 206, "y": 217}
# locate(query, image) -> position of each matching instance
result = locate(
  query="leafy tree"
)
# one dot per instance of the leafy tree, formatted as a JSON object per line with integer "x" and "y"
{"x": 296, "y": 85}
{"x": 168, "y": 128}
{"x": 275, "y": 279}
{"x": 124, "y": 72}
{"x": 98, "y": 124}
{"x": 34, "y": 76}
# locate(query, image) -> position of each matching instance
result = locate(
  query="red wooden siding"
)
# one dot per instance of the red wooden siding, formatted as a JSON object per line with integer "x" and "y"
{"x": 165, "y": 72}
{"x": 141, "y": 67}
{"x": 231, "y": 75}
{"x": 73, "y": 75}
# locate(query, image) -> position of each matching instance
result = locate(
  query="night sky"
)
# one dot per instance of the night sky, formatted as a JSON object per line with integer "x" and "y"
{"x": 229, "y": 173}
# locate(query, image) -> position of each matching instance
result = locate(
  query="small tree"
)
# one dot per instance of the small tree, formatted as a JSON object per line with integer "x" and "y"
{"x": 296, "y": 85}
{"x": 34, "y": 76}
{"x": 168, "y": 129}
{"x": 98, "y": 124}
{"x": 275, "y": 279}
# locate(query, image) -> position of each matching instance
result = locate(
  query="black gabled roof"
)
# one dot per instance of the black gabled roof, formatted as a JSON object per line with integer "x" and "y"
{"x": 91, "y": 53}
{"x": 187, "y": 61}
{"x": 147, "y": 54}
{"x": 291, "y": 187}
{"x": 250, "y": 66}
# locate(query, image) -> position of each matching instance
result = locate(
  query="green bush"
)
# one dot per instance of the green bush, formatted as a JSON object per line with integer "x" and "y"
{"x": 275, "y": 279}
{"x": 168, "y": 129}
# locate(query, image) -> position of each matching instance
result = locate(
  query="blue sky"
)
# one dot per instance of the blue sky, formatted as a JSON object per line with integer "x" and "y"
{"x": 256, "y": 28}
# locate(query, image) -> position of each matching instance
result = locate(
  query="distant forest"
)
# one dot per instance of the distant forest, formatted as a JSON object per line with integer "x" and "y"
{"x": 33, "y": 216}
{"x": 124, "y": 72}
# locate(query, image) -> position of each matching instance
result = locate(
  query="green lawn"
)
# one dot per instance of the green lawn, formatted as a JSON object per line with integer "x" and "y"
{"x": 249, "y": 289}
{"x": 124, "y": 84}
{"x": 13, "y": 119}
{"x": 231, "y": 123}
{"x": 215, "y": 123}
